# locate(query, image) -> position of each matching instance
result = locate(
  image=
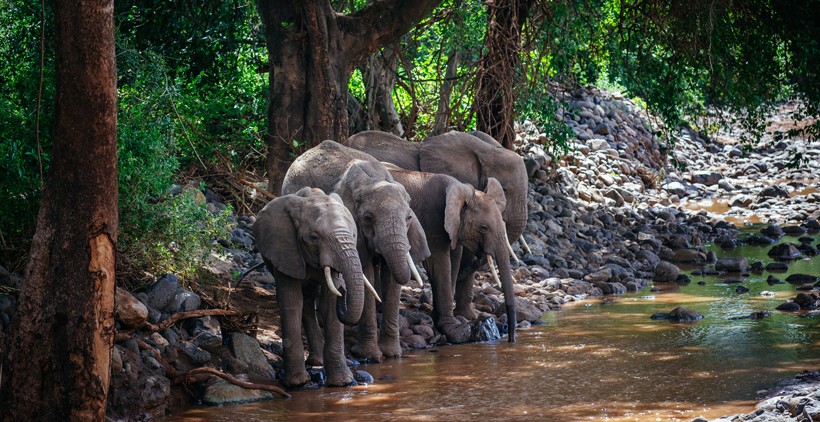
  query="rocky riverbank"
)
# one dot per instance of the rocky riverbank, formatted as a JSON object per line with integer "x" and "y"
{"x": 611, "y": 216}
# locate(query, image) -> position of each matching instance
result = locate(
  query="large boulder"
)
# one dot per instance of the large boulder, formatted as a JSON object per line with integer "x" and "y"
{"x": 130, "y": 312}
{"x": 221, "y": 392}
{"x": 732, "y": 264}
{"x": 246, "y": 349}
{"x": 666, "y": 272}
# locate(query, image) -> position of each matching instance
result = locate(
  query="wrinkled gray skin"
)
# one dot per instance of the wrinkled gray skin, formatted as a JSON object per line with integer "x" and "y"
{"x": 469, "y": 157}
{"x": 298, "y": 236}
{"x": 458, "y": 219}
{"x": 387, "y": 228}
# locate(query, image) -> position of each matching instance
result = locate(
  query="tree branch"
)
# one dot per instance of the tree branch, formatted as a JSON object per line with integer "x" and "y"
{"x": 244, "y": 384}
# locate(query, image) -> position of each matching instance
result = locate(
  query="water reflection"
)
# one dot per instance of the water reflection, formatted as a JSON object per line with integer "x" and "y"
{"x": 589, "y": 362}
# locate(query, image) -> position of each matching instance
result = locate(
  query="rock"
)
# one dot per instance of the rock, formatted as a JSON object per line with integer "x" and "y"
{"x": 131, "y": 313}
{"x": 205, "y": 332}
{"x": 679, "y": 314}
{"x": 805, "y": 300}
{"x": 779, "y": 267}
{"x": 773, "y": 192}
{"x": 784, "y": 251}
{"x": 363, "y": 377}
{"x": 676, "y": 188}
{"x": 137, "y": 392}
{"x": 194, "y": 352}
{"x": 740, "y": 200}
{"x": 597, "y": 144}
{"x": 161, "y": 294}
{"x": 741, "y": 289}
{"x": 221, "y": 392}
{"x": 794, "y": 230}
{"x": 599, "y": 276}
{"x": 246, "y": 349}
{"x": 484, "y": 329}
{"x": 801, "y": 278}
{"x": 706, "y": 178}
{"x": 184, "y": 301}
{"x": 732, "y": 264}
{"x": 788, "y": 307}
{"x": 666, "y": 272}
{"x": 524, "y": 310}
{"x": 688, "y": 256}
{"x": 772, "y": 230}
{"x": 416, "y": 341}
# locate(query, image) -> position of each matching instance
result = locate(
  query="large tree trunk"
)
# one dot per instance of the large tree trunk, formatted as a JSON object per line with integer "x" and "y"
{"x": 312, "y": 52}
{"x": 379, "y": 77}
{"x": 57, "y": 367}
{"x": 442, "y": 121}
{"x": 495, "y": 96}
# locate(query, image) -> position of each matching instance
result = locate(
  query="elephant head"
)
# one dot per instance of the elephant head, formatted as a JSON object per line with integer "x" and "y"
{"x": 381, "y": 209}
{"x": 307, "y": 233}
{"x": 475, "y": 160}
{"x": 473, "y": 219}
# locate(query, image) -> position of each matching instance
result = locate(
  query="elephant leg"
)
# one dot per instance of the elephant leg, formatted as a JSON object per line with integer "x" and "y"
{"x": 289, "y": 297}
{"x": 338, "y": 374}
{"x": 464, "y": 279}
{"x": 366, "y": 346}
{"x": 389, "y": 335}
{"x": 313, "y": 333}
{"x": 439, "y": 270}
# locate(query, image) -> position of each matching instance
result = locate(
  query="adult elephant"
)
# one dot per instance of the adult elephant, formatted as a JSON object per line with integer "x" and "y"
{"x": 391, "y": 239}
{"x": 308, "y": 241}
{"x": 469, "y": 157}
{"x": 458, "y": 219}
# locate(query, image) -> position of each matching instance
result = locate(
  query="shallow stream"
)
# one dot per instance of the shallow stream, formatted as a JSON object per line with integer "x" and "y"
{"x": 598, "y": 359}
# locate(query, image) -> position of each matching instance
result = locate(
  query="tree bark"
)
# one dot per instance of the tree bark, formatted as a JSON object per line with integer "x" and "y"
{"x": 442, "y": 121}
{"x": 58, "y": 361}
{"x": 495, "y": 96}
{"x": 312, "y": 52}
{"x": 379, "y": 77}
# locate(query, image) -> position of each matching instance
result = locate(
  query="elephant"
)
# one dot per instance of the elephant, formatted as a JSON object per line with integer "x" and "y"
{"x": 391, "y": 239}
{"x": 456, "y": 218}
{"x": 308, "y": 242}
{"x": 471, "y": 158}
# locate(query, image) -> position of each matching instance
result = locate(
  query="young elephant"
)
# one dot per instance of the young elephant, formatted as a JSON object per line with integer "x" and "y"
{"x": 456, "y": 217}
{"x": 391, "y": 239}
{"x": 307, "y": 240}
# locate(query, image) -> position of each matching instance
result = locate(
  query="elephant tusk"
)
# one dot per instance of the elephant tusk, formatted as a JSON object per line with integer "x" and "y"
{"x": 512, "y": 252}
{"x": 329, "y": 281}
{"x": 415, "y": 270}
{"x": 372, "y": 290}
{"x": 492, "y": 270}
{"x": 524, "y": 244}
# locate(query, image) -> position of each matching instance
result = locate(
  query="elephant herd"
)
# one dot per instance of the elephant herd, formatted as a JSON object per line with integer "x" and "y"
{"x": 353, "y": 222}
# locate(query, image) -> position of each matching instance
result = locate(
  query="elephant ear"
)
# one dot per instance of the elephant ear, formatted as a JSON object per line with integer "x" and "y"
{"x": 457, "y": 154}
{"x": 419, "y": 250}
{"x": 495, "y": 191}
{"x": 457, "y": 196}
{"x": 275, "y": 234}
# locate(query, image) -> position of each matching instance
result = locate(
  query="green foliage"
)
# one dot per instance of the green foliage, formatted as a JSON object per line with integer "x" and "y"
{"x": 542, "y": 109}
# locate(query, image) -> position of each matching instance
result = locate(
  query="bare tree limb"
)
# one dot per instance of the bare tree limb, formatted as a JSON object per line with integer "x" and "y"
{"x": 244, "y": 384}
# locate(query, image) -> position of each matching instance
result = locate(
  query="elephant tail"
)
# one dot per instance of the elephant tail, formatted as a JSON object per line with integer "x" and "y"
{"x": 249, "y": 270}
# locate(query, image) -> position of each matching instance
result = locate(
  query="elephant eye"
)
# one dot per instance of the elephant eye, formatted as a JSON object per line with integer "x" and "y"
{"x": 367, "y": 217}
{"x": 484, "y": 228}
{"x": 314, "y": 237}
{"x": 409, "y": 217}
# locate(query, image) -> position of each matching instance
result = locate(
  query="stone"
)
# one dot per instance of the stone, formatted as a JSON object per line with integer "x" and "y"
{"x": 597, "y": 144}
{"x": 221, "y": 392}
{"x": 194, "y": 352}
{"x": 676, "y": 188}
{"x": 363, "y": 377}
{"x": 416, "y": 341}
{"x": 161, "y": 294}
{"x": 130, "y": 312}
{"x": 778, "y": 267}
{"x": 688, "y": 256}
{"x": 599, "y": 276}
{"x": 246, "y": 349}
{"x": 484, "y": 328}
{"x": 772, "y": 230}
{"x": 788, "y": 307}
{"x": 784, "y": 251}
{"x": 184, "y": 301}
{"x": 801, "y": 278}
{"x": 732, "y": 264}
{"x": 524, "y": 310}
{"x": 773, "y": 192}
{"x": 204, "y": 331}
{"x": 666, "y": 272}
{"x": 708, "y": 178}
{"x": 679, "y": 314}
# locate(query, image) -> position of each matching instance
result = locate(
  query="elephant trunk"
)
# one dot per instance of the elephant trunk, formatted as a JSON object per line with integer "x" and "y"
{"x": 515, "y": 218}
{"x": 395, "y": 248}
{"x": 505, "y": 274}
{"x": 349, "y": 306}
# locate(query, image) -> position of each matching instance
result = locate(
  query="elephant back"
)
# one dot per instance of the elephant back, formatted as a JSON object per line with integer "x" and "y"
{"x": 321, "y": 167}
{"x": 387, "y": 147}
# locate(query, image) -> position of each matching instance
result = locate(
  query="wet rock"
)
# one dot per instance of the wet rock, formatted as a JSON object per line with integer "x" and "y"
{"x": 130, "y": 312}
{"x": 741, "y": 289}
{"x": 679, "y": 314}
{"x": 806, "y": 300}
{"x": 754, "y": 315}
{"x": 784, "y": 251}
{"x": 363, "y": 377}
{"x": 221, "y": 392}
{"x": 757, "y": 267}
{"x": 794, "y": 230}
{"x": 666, "y": 272}
{"x": 161, "y": 294}
{"x": 611, "y": 288}
{"x": 801, "y": 278}
{"x": 415, "y": 341}
{"x": 772, "y": 280}
{"x": 760, "y": 240}
{"x": 484, "y": 328}
{"x": 205, "y": 332}
{"x": 689, "y": 256}
{"x": 777, "y": 267}
{"x": 524, "y": 310}
{"x": 194, "y": 352}
{"x": 788, "y": 307}
{"x": 772, "y": 230}
{"x": 732, "y": 264}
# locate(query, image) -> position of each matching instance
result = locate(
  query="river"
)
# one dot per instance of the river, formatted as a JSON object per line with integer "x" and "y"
{"x": 600, "y": 359}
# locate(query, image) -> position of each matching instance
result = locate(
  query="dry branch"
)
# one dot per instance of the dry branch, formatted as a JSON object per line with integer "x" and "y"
{"x": 244, "y": 384}
{"x": 189, "y": 314}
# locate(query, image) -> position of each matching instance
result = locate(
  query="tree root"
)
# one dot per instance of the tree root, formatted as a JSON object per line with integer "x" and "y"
{"x": 188, "y": 376}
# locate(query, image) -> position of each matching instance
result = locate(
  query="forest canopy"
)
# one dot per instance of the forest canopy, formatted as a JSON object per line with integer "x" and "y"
{"x": 193, "y": 90}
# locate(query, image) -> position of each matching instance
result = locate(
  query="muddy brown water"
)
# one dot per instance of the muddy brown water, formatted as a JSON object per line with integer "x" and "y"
{"x": 601, "y": 359}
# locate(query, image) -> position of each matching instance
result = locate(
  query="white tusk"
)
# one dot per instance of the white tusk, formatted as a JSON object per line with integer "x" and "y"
{"x": 524, "y": 244}
{"x": 372, "y": 290}
{"x": 415, "y": 270}
{"x": 329, "y": 281}
{"x": 512, "y": 252}
{"x": 492, "y": 270}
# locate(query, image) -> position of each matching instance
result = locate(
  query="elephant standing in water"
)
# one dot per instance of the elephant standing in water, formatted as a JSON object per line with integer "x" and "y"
{"x": 308, "y": 242}
{"x": 391, "y": 239}
{"x": 458, "y": 219}
{"x": 471, "y": 158}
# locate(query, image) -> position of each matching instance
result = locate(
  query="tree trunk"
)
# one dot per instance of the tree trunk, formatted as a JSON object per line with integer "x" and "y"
{"x": 495, "y": 97}
{"x": 61, "y": 337}
{"x": 312, "y": 52}
{"x": 442, "y": 121}
{"x": 379, "y": 78}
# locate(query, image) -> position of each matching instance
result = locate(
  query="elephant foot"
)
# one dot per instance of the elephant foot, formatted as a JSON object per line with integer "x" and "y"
{"x": 466, "y": 311}
{"x": 314, "y": 360}
{"x": 295, "y": 378}
{"x": 391, "y": 348}
{"x": 341, "y": 377}
{"x": 455, "y": 331}
{"x": 367, "y": 350}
